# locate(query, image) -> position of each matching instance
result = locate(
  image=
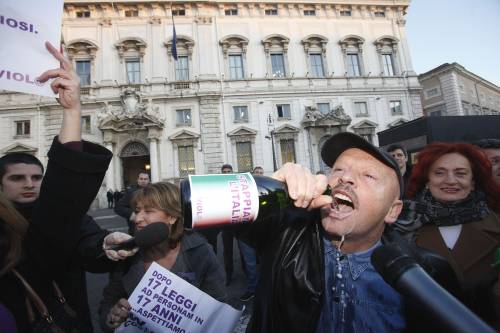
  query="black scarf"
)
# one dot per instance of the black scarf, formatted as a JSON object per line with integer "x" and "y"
{"x": 425, "y": 209}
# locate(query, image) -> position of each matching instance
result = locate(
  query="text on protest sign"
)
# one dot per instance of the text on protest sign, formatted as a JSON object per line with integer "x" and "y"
{"x": 163, "y": 302}
{"x": 25, "y": 26}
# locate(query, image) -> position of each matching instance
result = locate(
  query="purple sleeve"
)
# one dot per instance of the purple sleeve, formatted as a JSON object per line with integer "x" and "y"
{"x": 7, "y": 320}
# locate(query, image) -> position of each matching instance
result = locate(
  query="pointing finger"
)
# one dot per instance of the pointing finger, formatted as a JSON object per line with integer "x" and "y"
{"x": 64, "y": 62}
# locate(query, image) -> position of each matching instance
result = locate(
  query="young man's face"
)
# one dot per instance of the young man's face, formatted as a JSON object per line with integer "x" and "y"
{"x": 143, "y": 180}
{"x": 21, "y": 182}
{"x": 258, "y": 171}
{"x": 400, "y": 158}
{"x": 494, "y": 157}
{"x": 366, "y": 195}
{"x": 227, "y": 170}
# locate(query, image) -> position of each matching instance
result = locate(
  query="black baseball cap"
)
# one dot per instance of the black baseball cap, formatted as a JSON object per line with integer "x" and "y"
{"x": 339, "y": 143}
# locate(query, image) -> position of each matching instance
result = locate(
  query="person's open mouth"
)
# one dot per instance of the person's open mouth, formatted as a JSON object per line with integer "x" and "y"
{"x": 343, "y": 204}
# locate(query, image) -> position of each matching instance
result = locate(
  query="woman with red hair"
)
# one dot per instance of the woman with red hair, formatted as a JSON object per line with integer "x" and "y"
{"x": 453, "y": 200}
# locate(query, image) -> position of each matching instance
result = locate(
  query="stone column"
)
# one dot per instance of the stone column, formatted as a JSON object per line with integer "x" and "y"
{"x": 212, "y": 138}
{"x": 153, "y": 159}
{"x": 110, "y": 174}
{"x": 154, "y": 133}
{"x": 118, "y": 172}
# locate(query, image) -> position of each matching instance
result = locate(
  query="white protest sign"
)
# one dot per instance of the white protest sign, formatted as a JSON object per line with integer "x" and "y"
{"x": 163, "y": 302}
{"x": 25, "y": 26}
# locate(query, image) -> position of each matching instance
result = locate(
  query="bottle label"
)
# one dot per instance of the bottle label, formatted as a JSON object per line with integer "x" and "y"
{"x": 223, "y": 199}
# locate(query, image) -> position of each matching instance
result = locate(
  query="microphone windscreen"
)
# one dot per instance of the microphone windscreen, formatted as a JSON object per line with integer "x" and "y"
{"x": 152, "y": 234}
{"x": 391, "y": 262}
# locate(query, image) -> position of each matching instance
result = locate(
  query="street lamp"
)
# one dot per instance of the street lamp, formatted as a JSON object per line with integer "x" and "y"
{"x": 270, "y": 127}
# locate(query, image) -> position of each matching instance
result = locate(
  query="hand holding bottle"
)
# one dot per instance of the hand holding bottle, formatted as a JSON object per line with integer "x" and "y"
{"x": 209, "y": 201}
{"x": 304, "y": 188}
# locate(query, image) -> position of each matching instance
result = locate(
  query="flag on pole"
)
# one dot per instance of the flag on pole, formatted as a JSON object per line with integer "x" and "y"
{"x": 174, "y": 40}
{"x": 174, "y": 45}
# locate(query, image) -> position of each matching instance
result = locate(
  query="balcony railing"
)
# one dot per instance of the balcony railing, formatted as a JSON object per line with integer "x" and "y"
{"x": 181, "y": 85}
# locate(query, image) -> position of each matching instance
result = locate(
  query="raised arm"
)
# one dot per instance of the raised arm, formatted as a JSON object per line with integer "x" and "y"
{"x": 66, "y": 83}
{"x": 74, "y": 174}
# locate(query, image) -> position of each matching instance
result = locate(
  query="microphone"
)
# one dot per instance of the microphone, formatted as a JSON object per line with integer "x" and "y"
{"x": 405, "y": 275}
{"x": 152, "y": 234}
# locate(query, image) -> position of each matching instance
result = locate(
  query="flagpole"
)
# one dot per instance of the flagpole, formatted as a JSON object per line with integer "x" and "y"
{"x": 174, "y": 34}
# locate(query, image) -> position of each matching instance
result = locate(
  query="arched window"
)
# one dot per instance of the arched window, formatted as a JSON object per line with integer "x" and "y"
{"x": 134, "y": 148}
{"x": 387, "y": 50}
{"x": 131, "y": 51}
{"x": 275, "y": 49}
{"x": 234, "y": 49}
{"x": 83, "y": 52}
{"x": 315, "y": 49}
{"x": 352, "y": 51}
{"x": 182, "y": 67}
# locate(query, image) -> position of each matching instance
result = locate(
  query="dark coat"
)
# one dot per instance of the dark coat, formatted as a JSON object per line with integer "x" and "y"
{"x": 290, "y": 293}
{"x": 472, "y": 259}
{"x": 117, "y": 195}
{"x": 123, "y": 207}
{"x": 72, "y": 281}
{"x": 200, "y": 259}
{"x": 68, "y": 188}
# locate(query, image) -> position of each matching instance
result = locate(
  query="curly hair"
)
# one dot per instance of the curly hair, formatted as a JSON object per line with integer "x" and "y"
{"x": 480, "y": 165}
{"x": 166, "y": 197}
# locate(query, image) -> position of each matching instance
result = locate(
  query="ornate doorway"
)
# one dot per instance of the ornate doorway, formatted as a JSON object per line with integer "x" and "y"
{"x": 320, "y": 126}
{"x": 134, "y": 158}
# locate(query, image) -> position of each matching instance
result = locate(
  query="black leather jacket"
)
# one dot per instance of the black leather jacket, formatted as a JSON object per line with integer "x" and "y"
{"x": 289, "y": 297}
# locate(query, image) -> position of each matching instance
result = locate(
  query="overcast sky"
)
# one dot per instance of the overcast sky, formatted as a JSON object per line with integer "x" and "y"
{"x": 462, "y": 31}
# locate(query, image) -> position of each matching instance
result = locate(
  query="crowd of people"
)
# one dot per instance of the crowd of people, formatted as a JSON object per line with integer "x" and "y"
{"x": 308, "y": 268}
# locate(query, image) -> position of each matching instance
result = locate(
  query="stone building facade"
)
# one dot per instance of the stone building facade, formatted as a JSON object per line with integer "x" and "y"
{"x": 254, "y": 83}
{"x": 451, "y": 90}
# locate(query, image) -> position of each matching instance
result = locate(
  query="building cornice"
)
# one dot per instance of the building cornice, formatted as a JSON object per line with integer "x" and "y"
{"x": 456, "y": 67}
{"x": 325, "y": 2}
{"x": 199, "y": 8}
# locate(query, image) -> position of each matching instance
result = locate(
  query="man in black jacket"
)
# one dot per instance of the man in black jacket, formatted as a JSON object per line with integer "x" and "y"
{"x": 123, "y": 207}
{"x": 316, "y": 274}
{"x": 21, "y": 175}
{"x": 400, "y": 155}
{"x": 109, "y": 196}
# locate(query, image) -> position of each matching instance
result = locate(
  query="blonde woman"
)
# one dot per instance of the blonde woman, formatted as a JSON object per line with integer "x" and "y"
{"x": 184, "y": 253}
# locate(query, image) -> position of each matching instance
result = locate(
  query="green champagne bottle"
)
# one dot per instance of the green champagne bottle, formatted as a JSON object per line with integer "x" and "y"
{"x": 223, "y": 199}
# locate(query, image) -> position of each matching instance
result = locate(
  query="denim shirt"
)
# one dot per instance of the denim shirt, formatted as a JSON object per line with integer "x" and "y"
{"x": 357, "y": 299}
